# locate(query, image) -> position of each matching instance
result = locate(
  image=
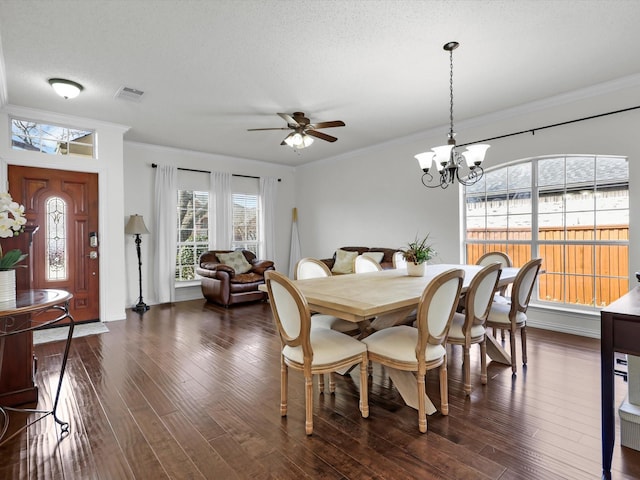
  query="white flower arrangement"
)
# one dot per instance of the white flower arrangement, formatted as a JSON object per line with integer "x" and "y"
{"x": 12, "y": 221}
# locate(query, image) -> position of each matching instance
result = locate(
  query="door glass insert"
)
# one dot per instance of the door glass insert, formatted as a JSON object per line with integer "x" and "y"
{"x": 56, "y": 235}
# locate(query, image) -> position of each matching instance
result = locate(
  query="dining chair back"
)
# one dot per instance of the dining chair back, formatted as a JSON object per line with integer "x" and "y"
{"x": 422, "y": 348}
{"x": 398, "y": 260}
{"x": 312, "y": 351}
{"x": 310, "y": 268}
{"x": 468, "y": 327}
{"x": 366, "y": 264}
{"x": 313, "y": 268}
{"x": 511, "y": 316}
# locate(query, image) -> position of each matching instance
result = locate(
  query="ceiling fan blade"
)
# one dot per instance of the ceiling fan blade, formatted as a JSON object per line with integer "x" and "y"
{"x": 335, "y": 123}
{"x": 257, "y": 129}
{"x": 322, "y": 136}
{"x": 289, "y": 119}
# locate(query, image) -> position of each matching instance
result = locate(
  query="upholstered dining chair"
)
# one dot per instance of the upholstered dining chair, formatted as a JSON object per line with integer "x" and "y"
{"x": 422, "y": 348}
{"x": 366, "y": 264}
{"x": 312, "y": 351}
{"x": 503, "y": 259}
{"x": 312, "y": 268}
{"x": 398, "y": 260}
{"x": 469, "y": 327}
{"x": 512, "y": 316}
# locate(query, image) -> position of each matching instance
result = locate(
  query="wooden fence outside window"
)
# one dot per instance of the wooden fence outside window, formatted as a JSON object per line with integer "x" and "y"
{"x": 575, "y": 273}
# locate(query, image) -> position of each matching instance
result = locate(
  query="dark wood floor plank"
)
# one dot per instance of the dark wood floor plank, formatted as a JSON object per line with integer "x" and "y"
{"x": 193, "y": 390}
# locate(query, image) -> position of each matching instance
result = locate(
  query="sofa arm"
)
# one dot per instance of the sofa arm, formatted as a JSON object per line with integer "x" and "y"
{"x": 261, "y": 266}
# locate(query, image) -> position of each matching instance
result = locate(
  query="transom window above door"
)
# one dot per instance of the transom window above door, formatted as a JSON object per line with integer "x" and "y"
{"x": 51, "y": 139}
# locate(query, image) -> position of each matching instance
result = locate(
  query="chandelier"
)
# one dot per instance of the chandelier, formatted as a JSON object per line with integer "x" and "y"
{"x": 451, "y": 165}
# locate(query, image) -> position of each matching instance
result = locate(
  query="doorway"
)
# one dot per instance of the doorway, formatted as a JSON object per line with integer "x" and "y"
{"x": 64, "y": 205}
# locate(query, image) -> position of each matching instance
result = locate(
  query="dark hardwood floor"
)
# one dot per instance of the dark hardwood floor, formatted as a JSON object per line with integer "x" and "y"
{"x": 192, "y": 391}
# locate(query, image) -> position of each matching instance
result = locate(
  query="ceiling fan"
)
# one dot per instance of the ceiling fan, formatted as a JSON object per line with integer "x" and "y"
{"x": 303, "y": 130}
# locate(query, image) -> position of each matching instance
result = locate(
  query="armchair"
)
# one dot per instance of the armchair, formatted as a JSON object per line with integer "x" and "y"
{"x": 221, "y": 283}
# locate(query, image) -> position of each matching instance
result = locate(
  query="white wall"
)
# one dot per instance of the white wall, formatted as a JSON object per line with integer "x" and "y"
{"x": 375, "y": 198}
{"x": 138, "y": 198}
{"x": 108, "y": 166}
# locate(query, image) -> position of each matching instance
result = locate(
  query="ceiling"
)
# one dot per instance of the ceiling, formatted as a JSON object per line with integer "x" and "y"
{"x": 212, "y": 69}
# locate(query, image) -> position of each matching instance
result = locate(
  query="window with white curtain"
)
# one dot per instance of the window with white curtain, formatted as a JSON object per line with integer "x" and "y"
{"x": 571, "y": 210}
{"x": 193, "y": 232}
{"x": 193, "y": 219}
{"x": 245, "y": 222}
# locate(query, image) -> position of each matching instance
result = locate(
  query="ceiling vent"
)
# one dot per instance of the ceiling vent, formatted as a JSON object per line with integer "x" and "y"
{"x": 130, "y": 94}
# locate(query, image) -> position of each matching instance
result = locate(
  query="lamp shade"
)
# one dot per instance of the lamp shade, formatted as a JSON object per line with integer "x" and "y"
{"x": 136, "y": 226}
{"x": 65, "y": 88}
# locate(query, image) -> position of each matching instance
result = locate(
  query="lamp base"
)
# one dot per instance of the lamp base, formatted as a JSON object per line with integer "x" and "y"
{"x": 140, "y": 307}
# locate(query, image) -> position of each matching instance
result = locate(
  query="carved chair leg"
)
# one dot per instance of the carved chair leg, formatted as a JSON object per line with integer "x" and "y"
{"x": 308, "y": 404}
{"x": 332, "y": 383}
{"x": 284, "y": 379}
{"x": 523, "y": 337}
{"x": 483, "y": 362}
{"x": 467, "y": 370}
{"x": 422, "y": 416}
{"x": 364, "y": 387}
{"x": 321, "y": 382}
{"x": 512, "y": 341}
{"x": 444, "y": 388}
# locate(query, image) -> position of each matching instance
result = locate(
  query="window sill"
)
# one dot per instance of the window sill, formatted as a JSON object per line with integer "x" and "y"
{"x": 188, "y": 283}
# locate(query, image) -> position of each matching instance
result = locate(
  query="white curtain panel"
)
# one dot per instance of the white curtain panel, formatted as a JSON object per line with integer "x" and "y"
{"x": 166, "y": 242}
{"x": 268, "y": 193}
{"x": 220, "y": 211}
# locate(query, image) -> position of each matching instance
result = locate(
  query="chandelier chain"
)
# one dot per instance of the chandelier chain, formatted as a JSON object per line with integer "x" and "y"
{"x": 451, "y": 134}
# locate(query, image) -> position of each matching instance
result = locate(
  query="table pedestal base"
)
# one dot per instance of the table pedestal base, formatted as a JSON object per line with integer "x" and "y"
{"x": 496, "y": 352}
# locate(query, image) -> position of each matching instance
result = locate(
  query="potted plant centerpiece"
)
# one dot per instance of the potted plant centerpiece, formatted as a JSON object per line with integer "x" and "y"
{"x": 12, "y": 221}
{"x": 416, "y": 254}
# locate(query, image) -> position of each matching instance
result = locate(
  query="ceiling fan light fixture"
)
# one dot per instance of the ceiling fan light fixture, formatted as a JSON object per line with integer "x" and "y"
{"x": 65, "y": 88}
{"x": 298, "y": 140}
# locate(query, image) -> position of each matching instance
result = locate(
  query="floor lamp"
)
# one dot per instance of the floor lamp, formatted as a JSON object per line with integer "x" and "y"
{"x": 136, "y": 227}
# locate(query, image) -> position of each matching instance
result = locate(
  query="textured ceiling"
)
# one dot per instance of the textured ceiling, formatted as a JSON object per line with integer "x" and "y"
{"x": 212, "y": 69}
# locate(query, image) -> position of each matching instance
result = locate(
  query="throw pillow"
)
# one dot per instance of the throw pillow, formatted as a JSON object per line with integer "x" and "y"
{"x": 375, "y": 256}
{"x": 344, "y": 261}
{"x": 235, "y": 260}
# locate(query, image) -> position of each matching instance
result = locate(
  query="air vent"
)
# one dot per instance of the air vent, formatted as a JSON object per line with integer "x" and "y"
{"x": 130, "y": 94}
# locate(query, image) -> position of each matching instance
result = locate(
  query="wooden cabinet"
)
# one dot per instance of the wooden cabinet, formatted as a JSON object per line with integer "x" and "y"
{"x": 17, "y": 384}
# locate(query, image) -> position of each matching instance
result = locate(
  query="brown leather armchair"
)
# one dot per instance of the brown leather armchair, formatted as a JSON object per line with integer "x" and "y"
{"x": 222, "y": 285}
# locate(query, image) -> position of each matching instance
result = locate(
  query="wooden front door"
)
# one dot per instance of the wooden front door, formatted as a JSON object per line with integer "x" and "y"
{"x": 64, "y": 205}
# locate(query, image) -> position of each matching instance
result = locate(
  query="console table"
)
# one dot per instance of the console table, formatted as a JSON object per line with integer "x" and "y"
{"x": 32, "y": 310}
{"x": 620, "y": 332}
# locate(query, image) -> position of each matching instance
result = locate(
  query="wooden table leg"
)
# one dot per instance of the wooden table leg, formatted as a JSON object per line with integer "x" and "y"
{"x": 407, "y": 386}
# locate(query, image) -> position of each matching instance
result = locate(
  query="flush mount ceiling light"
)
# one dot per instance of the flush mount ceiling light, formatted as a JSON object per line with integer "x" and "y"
{"x": 450, "y": 164}
{"x": 65, "y": 88}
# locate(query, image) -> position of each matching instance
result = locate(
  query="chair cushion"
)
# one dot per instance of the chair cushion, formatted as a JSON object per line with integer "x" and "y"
{"x": 344, "y": 261}
{"x": 500, "y": 314}
{"x": 328, "y": 346}
{"x": 399, "y": 343}
{"x": 375, "y": 256}
{"x": 235, "y": 260}
{"x": 455, "y": 331}
{"x": 250, "y": 277}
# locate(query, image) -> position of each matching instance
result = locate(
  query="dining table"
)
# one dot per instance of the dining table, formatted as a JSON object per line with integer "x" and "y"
{"x": 393, "y": 294}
